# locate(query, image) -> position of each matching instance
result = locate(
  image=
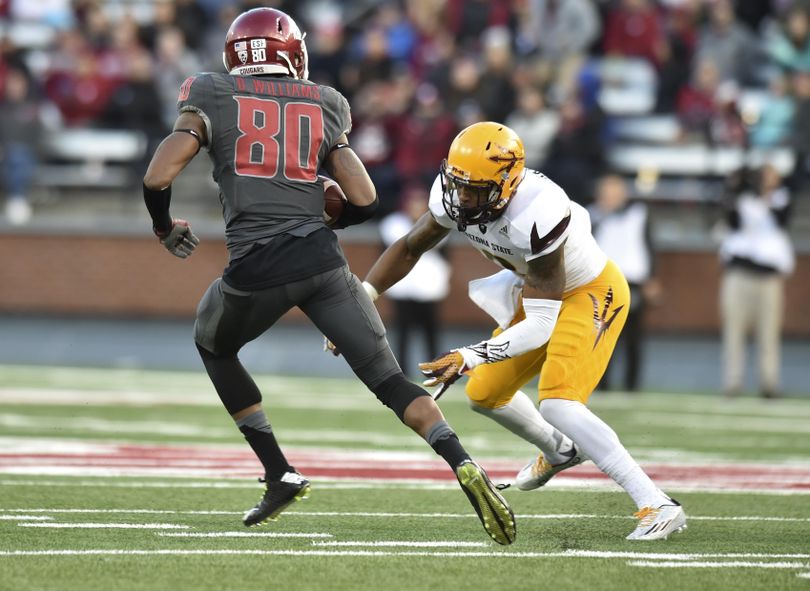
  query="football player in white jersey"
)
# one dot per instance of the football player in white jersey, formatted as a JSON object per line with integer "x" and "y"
{"x": 560, "y": 305}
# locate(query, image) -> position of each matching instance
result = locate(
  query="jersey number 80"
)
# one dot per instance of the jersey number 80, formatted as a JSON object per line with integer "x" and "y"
{"x": 258, "y": 151}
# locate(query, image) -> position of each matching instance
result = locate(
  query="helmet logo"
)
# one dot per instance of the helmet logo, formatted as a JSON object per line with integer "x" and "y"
{"x": 507, "y": 160}
{"x": 241, "y": 51}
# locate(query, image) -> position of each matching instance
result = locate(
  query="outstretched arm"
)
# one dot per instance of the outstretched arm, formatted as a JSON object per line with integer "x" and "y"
{"x": 399, "y": 258}
{"x": 542, "y": 299}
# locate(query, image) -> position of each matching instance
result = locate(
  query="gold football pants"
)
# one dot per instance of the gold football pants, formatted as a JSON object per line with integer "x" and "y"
{"x": 571, "y": 364}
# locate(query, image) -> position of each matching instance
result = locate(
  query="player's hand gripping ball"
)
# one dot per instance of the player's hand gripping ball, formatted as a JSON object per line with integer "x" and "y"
{"x": 334, "y": 201}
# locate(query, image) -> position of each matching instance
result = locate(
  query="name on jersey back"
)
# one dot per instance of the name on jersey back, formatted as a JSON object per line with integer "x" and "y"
{"x": 277, "y": 88}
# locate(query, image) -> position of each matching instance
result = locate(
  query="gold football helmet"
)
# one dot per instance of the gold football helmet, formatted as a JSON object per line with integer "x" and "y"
{"x": 483, "y": 168}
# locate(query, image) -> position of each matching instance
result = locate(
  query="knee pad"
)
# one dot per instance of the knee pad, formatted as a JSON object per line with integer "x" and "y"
{"x": 397, "y": 393}
{"x": 234, "y": 386}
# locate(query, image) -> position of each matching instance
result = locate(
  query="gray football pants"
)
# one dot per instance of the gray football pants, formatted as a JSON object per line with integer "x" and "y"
{"x": 334, "y": 301}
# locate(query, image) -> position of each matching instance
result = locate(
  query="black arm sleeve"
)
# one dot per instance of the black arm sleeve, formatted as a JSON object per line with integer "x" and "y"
{"x": 157, "y": 203}
{"x": 356, "y": 214}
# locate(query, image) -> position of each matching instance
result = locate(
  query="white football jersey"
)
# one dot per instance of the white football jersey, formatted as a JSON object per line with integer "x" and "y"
{"x": 538, "y": 218}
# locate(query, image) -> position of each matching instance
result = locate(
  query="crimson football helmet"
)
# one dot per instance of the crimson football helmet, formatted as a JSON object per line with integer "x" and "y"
{"x": 265, "y": 41}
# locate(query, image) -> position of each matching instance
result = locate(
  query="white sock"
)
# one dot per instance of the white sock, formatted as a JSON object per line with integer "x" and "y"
{"x": 523, "y": 419}
{"x": 601, "y": 444}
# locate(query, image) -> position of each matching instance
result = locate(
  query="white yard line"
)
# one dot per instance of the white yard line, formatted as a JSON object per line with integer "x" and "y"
{"x": 640, "y": 559}
{"x": 673, "y": 556}
{"x": 733, "y": 564}
{"x": 385, "y": 514}
{"x": 243, "y": 534}
{"x": 569, "y": 484}
{"x": 107, "y": 525}
{"x": 405, "y": 544}
{"x": 25, "y": 518}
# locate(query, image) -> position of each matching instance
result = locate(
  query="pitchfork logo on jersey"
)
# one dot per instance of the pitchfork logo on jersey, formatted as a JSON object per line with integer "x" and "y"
{"x": 600, "y": 321}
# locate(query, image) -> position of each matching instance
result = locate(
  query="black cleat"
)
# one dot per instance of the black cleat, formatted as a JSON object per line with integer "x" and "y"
{"x": 492, "y": 509}
{"x": 278, "y": 495}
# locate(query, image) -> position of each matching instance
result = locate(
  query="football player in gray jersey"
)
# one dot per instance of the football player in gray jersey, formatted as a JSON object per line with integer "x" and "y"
{"x": 268, "y": 131}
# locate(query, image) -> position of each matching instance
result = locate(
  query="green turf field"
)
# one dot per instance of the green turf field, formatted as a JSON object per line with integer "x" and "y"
{"x": 68, "y": 520}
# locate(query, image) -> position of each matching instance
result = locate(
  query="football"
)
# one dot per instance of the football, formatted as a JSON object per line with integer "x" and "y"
{"x": 334, "y": 201}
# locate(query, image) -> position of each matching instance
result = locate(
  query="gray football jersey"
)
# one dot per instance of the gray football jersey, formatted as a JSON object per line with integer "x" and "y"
{"x": 267, "y": 138}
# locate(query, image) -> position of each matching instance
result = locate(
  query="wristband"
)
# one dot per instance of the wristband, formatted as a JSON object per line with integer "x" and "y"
{"x": 157, "y": 202}
{"x": 371, "y": 291}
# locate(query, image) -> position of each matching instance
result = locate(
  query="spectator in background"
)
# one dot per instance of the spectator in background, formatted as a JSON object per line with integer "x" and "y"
{"x": 327, "y": 52}
{"x": 210, "y": 52}
{"x": 735, "y": 51}
{"x": 674, "y": 70}
{"x": 74, "y": 82}
{"x": 370, "y": 60}
{"x": 173, "y": 63}
{"x": 776, "y": 114}
{"x": 125, "y": 43}
{"x": 423, "y": 136}
{"x": 373, "y": 140}
{"x": 707, "y": 108}
{"x": 576, "y": 156}
{"x": 800, "y": 136}
{"x": 536, "y": 124}
{"x": 435, "y": 45}
{"x": 634, "y": 29}
{"x": 497, "y": 94}
{"x": 400, "y": 33}
{"x": 192, "y": 19}
{"x": 94, "y": 24}
{"x": 136, "y": 105}
{"x": 727, "y": 127}
{"x": 19, "y": 136}
{"x": 462, "y": 88}
{"x": 560, "y": 31}
{"x": 417, "y": 297}
{"x": 790, "y": 47}
{"x": 756, "y": 256}
{"x": 621, "y": 227}
{"x": 753, "y": 13}
{"x": 468, "y": 19}
{"x": 11, "y": 58}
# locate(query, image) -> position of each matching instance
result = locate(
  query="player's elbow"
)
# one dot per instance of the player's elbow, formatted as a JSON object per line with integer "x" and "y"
{"x": 361, "y": 194}
{"x": 156, "y": 181}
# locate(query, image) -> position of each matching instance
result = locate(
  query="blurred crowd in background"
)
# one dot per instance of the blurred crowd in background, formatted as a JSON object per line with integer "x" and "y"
{"x": 417, "y": 71}
{"x": 669, "y": 100}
